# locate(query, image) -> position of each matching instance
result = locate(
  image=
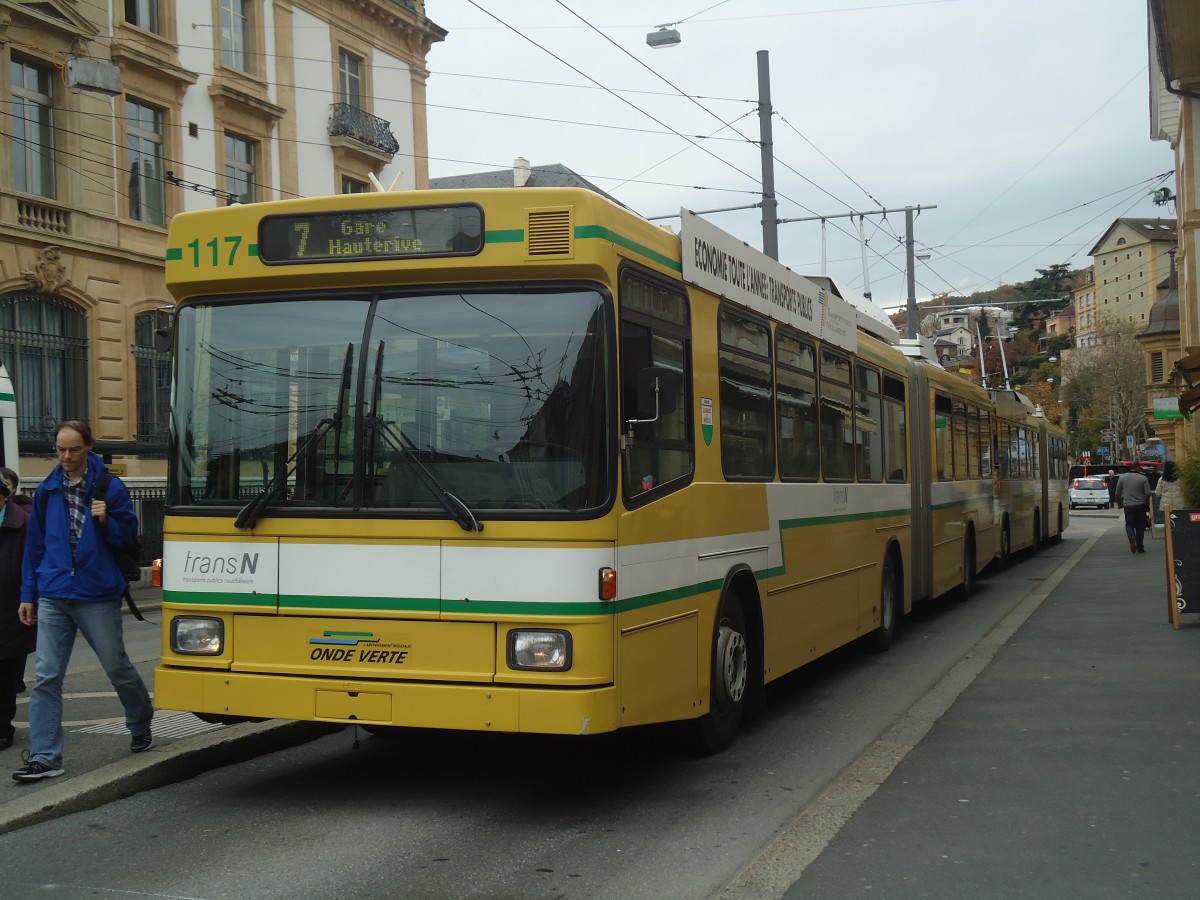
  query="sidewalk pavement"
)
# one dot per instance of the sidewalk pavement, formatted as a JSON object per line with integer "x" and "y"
{"x": 1067, "y": 768}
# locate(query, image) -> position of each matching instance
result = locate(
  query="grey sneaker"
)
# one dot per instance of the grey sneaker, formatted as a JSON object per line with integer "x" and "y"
{"x": 141, "y": 743}
{"x": 36, "y": 771}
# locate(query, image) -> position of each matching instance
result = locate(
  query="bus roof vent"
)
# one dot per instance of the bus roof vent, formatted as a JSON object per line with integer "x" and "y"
{"x": 549, "y": 232}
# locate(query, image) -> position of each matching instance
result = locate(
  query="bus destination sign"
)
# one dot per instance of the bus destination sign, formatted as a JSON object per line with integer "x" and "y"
{"x": 367, "y": 235}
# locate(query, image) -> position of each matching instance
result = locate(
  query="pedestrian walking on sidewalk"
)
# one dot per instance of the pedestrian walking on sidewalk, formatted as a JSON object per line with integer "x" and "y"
{"x": 14, "y": 485}
{"x": 1168, "y": 491}
{"x": 1133, "y": 496}
{"x": 17, "y": 640}
{"x": 71, "y": 583}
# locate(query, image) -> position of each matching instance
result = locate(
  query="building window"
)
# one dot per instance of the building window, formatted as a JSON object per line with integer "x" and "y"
{"x": 33, "y": 128}
{"x": 144, "y": 137}
{"x": 43, "y": 341}
{"x": 235, "y": 34}
{"x": 1156, "y": 367}
{"x": 350, "y": 78}
{"x": 143, "y": 14}
{"x": 354, "y": 186}
{"x": 239, "y": 169}
{"x": 153, "y": 376}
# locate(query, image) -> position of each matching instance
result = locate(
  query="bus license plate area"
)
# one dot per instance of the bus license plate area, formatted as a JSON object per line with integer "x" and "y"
{"x": 357, "y": 706}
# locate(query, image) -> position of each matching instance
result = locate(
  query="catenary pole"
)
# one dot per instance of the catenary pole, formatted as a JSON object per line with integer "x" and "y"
{"x": 770, "y": 206}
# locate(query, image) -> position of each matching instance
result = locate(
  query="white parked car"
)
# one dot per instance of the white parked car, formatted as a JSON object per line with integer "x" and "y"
{"x": 1089, "y": 491}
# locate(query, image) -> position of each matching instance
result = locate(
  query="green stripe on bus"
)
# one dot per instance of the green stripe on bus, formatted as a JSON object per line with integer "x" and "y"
{"x": 174, "y": 253}
{"x": 810, "y": 521}
{"x": 7, "y": 398}
{"x": 593, "y": 232}
{"x": 378, "y": 604}
{"x": 252, "y": 249}
{"x": 216, "y": 598}
{"x": 953, "y": 504}
{"x": 507, "y": 236}
{"x": 657, "y": 598}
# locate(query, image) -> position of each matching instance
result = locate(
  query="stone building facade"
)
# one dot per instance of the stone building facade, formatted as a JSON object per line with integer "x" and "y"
{"x": 1128, "y": 262}
{"x": 123, "y": 114}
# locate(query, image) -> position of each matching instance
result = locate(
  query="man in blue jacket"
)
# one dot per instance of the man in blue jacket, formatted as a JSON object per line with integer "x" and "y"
{"x": 71, "y": 583}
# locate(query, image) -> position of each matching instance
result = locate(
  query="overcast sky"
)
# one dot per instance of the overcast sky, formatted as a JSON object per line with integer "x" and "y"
{"x": 1024, "y": 122}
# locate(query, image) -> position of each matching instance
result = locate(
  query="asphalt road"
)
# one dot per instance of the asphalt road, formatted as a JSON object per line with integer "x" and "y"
{"x": 465, "y": 815}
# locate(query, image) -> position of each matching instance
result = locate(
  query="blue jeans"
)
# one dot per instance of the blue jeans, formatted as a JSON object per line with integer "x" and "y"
{"x": 1135, "y": 524}
{"x": 58, "y": 621}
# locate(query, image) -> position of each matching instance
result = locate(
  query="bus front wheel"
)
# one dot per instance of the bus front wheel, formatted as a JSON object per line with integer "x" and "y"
{"x": 729, "y": 679}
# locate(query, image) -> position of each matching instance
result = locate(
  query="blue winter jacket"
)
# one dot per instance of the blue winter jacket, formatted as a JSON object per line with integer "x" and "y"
{"x": 48, "y": 569}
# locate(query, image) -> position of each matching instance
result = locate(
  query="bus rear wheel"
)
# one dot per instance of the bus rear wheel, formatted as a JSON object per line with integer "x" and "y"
{"x": 729, "y": 680}
{"x": 969, "y": 583}
{"x": 889, "y": 608}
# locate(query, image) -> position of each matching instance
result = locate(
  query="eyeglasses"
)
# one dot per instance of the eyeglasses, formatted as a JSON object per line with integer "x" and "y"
{"x": 68, "y": 451}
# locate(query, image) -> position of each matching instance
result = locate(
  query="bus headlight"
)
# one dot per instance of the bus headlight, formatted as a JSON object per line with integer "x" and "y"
{"x": 540, "y": 650}
{"x": 197, "y": 636}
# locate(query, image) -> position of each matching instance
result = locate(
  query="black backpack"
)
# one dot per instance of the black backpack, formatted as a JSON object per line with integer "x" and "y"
{"x": 128, "y": 559}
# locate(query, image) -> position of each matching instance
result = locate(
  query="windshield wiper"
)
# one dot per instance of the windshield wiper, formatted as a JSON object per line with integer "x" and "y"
{"x": 254, "y": 509}
{"x": 395, "y": 438}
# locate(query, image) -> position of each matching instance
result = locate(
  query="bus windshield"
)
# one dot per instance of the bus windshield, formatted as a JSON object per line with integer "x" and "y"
{"x": 449, "y": 403}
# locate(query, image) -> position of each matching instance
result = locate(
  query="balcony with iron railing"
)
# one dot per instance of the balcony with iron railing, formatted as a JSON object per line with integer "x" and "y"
{"x": 349, "y": 121}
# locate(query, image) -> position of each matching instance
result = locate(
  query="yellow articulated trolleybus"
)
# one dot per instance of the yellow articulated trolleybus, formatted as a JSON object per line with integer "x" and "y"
{"x": 1031, "y": 475}
{"x": 518, "y": 460}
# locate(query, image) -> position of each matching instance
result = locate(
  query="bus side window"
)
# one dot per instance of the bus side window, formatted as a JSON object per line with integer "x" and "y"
{"x": 944, "y": 436}
{"x": 896, "y": 444}
{"x": 655, "y": 333}
{"x": 747, "y": 418}
{"x": 837, "y": 417}
{"x": 796, "y": 405}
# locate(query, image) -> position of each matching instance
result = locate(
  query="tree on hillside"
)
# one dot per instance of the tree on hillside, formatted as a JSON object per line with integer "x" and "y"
{"x": 1044, "y": 395}
{"x": 1105, "y": 386}
{"x": 1053, "y": 283}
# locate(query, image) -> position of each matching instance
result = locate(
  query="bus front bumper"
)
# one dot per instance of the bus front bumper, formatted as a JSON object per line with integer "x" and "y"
{"x": 473, "y": 707}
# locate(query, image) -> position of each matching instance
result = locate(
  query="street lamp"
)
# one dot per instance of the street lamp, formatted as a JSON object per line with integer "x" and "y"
{"x": 666, "y": 36}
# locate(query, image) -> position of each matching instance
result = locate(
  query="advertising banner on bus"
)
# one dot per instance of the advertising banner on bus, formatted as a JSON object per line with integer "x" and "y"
{"x": 723, "y": 265}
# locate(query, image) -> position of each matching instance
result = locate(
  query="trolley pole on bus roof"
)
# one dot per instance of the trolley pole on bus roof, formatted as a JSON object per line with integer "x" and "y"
{"x": 908, "y": 246}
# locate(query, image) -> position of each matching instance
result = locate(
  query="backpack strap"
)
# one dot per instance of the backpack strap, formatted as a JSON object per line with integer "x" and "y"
{"x": 102, "y": 484}
{"x": 137, "y": 613}
{"x": 39, "y": 505}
